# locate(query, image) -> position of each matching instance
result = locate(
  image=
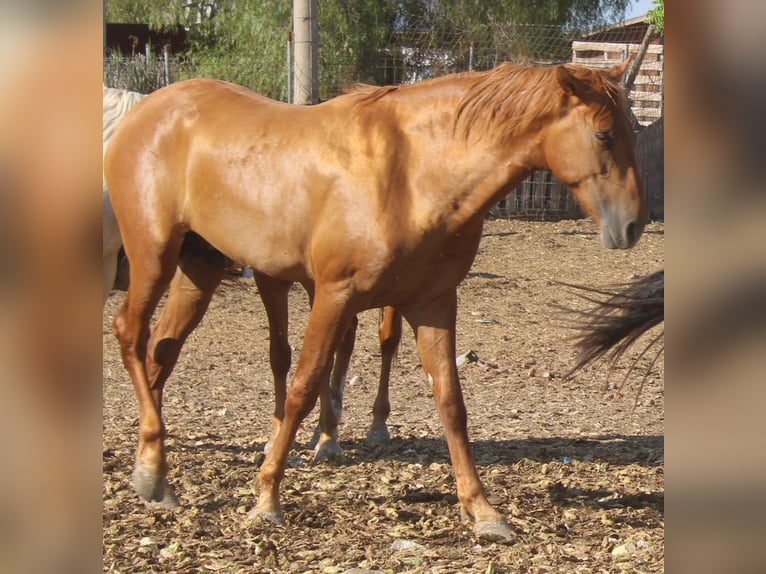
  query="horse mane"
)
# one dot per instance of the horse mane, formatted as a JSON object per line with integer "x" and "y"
{"x": 521, "y": 97}
{"x": 517, "y": 96}
{"x": 116, "y": 104}
{"x": 368, "y": 94}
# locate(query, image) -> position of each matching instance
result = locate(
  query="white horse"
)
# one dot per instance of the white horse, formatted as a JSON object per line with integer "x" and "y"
{"x": 116, "y": 105}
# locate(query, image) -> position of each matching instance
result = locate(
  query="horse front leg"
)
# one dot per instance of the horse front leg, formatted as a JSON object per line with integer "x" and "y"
{"x": 274, "y": 295}
{"x": 327, "y": 323}
{"x": 434, "y": 326}
{"x": 390, "y": 334}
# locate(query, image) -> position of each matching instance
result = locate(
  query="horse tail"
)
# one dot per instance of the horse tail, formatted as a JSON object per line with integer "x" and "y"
{"x": 621, "y": 316}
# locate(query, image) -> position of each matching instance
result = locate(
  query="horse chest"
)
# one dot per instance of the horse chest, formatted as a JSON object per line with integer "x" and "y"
{"x": 428, "y": 268}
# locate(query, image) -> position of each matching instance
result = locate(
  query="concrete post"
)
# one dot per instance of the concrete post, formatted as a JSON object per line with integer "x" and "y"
{"x": 306, "y": 56}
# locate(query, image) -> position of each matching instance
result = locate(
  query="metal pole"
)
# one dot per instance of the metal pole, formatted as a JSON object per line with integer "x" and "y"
{"x": 289, "y": 58}
{"x": 306, "y": 57}
{"x": 166, "y": 58}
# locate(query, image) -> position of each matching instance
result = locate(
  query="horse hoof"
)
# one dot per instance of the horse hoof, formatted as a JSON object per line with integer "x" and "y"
{"x": 148, "y": 486}
{"x": 271, "y": 516}
{"x": 168, "y": 502}
{"x": 327, "y": 451}
{"x": 378, "y": 438}
{"x": 494, "y": 531}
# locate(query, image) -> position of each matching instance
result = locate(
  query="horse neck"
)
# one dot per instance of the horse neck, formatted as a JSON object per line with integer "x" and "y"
{"x": 461, "y": 173}
{"x": 476, "y": 172}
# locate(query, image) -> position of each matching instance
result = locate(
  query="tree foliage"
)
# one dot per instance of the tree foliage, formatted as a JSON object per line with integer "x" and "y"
{"x": 373, "y": 41}
{"x": 657, "y": 16}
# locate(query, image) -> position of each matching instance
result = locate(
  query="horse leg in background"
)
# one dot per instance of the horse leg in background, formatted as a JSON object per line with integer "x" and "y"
{"x": 274, "y": 297}
{"x": 390, "y": 333}
{"x": 110, "y": 246}
{"x": 153, "y": 257}
{"x": 434, "y": 326}
{"x": 325, "y": 439}
{"x": 327, "y": 324}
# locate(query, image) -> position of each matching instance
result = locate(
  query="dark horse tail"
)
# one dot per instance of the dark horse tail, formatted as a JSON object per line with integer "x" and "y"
{"x": 620, "y": 317}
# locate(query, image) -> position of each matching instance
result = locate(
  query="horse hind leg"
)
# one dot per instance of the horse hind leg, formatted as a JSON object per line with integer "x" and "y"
{"x": 153, "y": 261}
{"x": 199, "y": 272}
{"x": 325, "y": 439}
{"x": 390, "y": 333}
{"x": 274, "y": 294}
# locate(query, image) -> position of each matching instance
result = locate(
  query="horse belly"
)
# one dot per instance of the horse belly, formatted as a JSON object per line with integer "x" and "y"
{"x": 268, "y": 245}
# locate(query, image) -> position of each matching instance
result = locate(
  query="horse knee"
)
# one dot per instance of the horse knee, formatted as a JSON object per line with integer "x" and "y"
{"x": 120, "y": 328}
{"x": 300, "y": 402}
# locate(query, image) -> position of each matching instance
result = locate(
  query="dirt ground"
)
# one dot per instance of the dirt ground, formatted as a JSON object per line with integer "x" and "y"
{"x": 577, "y": 467}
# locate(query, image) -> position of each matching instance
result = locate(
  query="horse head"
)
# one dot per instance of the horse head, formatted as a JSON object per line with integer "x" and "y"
{"x": 590, "y": 148}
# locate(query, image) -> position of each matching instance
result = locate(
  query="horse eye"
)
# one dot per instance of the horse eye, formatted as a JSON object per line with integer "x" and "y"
{"x": 604, "y": 139}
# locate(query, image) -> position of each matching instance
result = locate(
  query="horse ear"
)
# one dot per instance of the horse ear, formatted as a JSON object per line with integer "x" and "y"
{"x": 567, "y": 79}
{"x": 576, "y": 80}
{"x": 616, "y": 72}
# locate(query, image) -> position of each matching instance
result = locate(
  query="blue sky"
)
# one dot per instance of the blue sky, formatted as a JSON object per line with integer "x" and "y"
{"x": 638, "y": 8}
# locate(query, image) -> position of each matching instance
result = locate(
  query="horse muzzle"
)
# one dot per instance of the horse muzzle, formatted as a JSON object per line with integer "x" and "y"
{"x": 620, "y": 234}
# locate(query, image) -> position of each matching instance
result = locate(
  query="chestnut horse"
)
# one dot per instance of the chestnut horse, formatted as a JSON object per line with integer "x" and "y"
{"x": 375, "y": 198}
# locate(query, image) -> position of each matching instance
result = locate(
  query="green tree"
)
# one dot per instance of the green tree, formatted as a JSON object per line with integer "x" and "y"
{"x": 657, "y": 16}
{"x": 373, "y": 41}
{"x": 245, "y": 42}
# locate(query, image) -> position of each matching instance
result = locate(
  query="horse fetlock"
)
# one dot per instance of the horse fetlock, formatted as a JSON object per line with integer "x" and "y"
{"x": 315, "y": 437}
